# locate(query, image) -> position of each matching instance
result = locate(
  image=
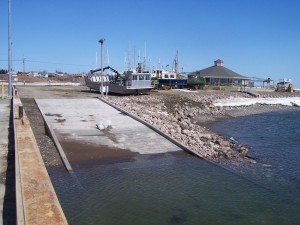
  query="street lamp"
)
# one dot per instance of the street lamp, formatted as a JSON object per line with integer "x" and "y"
{"x": 101, "y": 41}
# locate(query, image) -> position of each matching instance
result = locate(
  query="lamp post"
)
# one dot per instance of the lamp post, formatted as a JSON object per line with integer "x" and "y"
{"x": 101, "y": 41}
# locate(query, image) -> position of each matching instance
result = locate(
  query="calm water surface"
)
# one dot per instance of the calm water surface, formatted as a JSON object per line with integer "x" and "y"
{"x": 177, "y": 188}
{"x": 274, "y": 141}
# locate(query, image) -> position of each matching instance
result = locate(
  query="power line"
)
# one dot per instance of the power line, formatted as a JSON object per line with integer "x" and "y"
{"x": 54, "y": 63}
{"x": 5, "y": 60}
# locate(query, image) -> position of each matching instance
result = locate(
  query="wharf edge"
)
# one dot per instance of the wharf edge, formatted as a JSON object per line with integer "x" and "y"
{"x": 36, "y": 200}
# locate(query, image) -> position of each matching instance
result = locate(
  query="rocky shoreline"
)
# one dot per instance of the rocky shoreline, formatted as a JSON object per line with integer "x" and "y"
{"x": 185, "y": 116}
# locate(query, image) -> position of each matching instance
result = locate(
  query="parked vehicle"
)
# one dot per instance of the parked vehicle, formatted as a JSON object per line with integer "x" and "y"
{"x": 284, "y": 85}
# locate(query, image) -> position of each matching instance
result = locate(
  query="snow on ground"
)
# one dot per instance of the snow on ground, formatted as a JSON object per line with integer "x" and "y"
{"x": 287, "y": 101}
{"x": 47, "y": 84}
{"x": 184, "y": 90}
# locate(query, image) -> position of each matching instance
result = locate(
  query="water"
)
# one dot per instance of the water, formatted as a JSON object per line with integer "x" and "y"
{"x": 274, "y": 141}
{"x": 177, "y": 188}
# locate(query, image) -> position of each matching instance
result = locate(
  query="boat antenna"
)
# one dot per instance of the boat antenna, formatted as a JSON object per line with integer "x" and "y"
{"x": 134, "y": 57}
{"x": 107, "y": 56}
{"x": 96, "y": 63}
{"x": 125, "y": 61}
{"x": 159, "y": 63}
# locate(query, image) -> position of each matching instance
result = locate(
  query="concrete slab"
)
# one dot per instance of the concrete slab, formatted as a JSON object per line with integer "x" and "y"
{"x": 76, "y": 119}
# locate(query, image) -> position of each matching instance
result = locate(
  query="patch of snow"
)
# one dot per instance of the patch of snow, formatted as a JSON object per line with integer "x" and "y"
{"x": 287, "y": 101}
{"x": 47, "y": 84}
{"x": 184, "y": 90}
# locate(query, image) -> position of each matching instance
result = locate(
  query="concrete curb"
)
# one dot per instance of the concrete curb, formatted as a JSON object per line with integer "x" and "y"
{"x": 19, "y": 199}
{"x": 183, "y": 147}
{"x": 53, "y": 136}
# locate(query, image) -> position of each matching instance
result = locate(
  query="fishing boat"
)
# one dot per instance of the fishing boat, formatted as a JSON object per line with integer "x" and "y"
{"x": 132, "y": 81}
{"x": 167, "y": 78}
{"x": 163, "y": 78}
{"x": 164, "y": 74}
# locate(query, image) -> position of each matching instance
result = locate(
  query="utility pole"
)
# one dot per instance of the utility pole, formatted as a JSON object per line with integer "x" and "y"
{"x": 101, "y": 41}
{"x": 9, "y": 51}
{"x": 24, "y": 66}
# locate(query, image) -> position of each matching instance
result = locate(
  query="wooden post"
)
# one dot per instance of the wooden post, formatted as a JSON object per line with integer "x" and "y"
{"x": 2, "y": 92}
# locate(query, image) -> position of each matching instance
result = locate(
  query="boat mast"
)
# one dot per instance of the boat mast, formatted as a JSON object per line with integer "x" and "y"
{"x": 144, "y": 66}
{"x": 175, "y": 63}
{"x": 139, "y": 57}
{"x": 134, "y": 57}
{"x": 128, "y": 58}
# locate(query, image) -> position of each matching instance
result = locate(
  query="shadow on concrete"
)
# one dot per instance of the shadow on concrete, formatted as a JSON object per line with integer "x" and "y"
{"x": 9, "y": 205}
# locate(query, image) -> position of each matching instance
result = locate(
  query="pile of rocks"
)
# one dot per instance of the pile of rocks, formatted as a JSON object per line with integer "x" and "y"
{"x": 175, "y": 116}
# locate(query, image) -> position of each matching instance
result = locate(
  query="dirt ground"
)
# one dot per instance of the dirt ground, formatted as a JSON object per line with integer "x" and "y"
{"x": 53, "y": 92}
{"x": 30, "y": 79}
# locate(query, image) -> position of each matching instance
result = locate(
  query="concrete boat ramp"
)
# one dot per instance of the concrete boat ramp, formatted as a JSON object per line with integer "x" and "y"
{"x": 74, "y": 124}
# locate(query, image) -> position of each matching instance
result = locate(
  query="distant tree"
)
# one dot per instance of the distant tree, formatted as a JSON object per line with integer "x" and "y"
{"x": 3, "y": 71}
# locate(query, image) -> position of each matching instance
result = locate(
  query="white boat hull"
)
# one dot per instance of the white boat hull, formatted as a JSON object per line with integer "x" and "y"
{"x": 118, "y": 88}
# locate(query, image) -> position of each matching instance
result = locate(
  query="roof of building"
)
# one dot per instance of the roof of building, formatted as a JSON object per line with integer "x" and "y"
{"x": 219, "y": 71}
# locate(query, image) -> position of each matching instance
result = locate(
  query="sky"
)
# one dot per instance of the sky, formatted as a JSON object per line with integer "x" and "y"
{"x": 257, "y": 38}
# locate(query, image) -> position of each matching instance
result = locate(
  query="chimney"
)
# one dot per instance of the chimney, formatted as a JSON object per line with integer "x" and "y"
{"x": 219, "y": 62}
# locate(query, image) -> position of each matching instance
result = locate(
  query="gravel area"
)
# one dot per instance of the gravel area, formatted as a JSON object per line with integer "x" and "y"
{"x": 185, "y": 115}
{"x": 48, "y": 150}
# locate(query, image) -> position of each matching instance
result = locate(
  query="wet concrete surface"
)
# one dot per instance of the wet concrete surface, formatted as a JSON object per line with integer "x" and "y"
{"x": 80, "y": 152}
